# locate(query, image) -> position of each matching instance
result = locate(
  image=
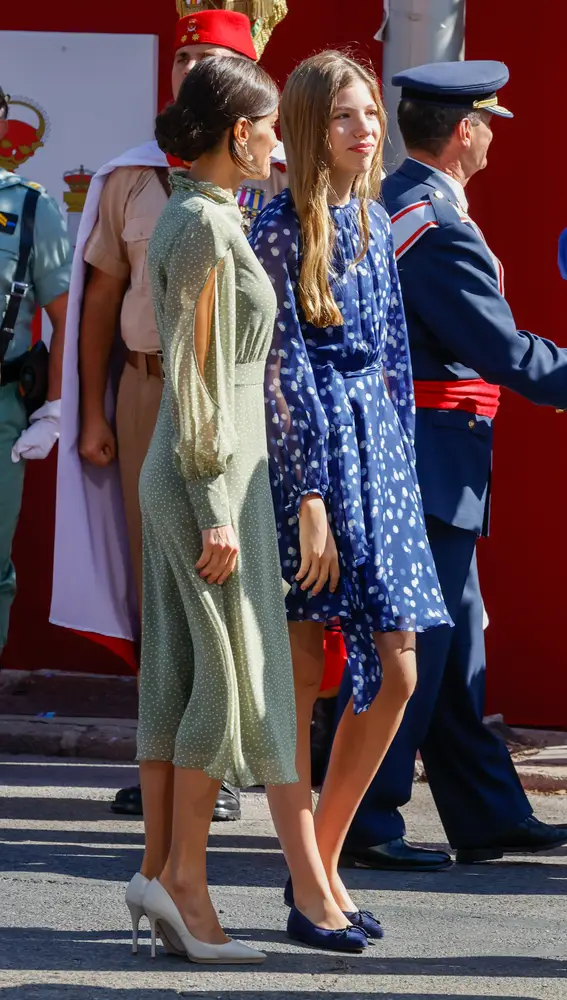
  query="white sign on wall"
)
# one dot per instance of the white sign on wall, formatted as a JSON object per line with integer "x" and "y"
{"x": 78, "y": 100}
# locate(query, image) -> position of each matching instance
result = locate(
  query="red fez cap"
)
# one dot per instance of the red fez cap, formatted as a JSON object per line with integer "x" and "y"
{"x": 225, "y": 28}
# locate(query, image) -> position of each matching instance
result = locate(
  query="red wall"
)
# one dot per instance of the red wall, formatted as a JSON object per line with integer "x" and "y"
{"x": 310, "y": 26}
{"x": 520, "y": 203}
{"x": 522, "y": 564}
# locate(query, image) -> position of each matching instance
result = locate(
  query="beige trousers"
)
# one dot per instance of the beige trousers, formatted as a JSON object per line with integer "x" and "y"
{"x": 139, "y": 397}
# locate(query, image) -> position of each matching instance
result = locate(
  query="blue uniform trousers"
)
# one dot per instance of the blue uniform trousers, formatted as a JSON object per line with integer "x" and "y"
{"x": 472, "y": 778}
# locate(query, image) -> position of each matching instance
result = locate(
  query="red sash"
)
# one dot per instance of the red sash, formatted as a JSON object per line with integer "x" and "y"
{"x": 473, "y": 395}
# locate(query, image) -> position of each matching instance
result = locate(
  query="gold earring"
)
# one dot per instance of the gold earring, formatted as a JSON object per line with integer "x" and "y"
{"x": 245, "y": 148}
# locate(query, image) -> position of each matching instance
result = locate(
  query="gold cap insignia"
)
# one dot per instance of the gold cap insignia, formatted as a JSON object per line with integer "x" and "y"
{"x": 264, "y": 15}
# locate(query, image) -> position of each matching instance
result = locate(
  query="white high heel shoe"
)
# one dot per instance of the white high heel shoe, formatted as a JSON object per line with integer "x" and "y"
{"x": 135, "y": 903}
{"x": 163, "y": 913}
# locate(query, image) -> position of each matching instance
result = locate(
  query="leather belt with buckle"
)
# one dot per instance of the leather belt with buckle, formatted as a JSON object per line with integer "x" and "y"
{"x": 153, "y": 363}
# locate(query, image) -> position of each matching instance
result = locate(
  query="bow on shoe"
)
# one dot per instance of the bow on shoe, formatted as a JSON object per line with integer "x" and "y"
{"x": 365, "y": 921}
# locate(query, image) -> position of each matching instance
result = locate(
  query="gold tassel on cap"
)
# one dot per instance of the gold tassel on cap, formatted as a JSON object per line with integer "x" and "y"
{"x": 264, "y": 15}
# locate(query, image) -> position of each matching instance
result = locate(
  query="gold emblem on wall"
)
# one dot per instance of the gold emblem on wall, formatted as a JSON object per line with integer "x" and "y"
{"x": 22, "y": 139}
{"x": 78, "y": 182}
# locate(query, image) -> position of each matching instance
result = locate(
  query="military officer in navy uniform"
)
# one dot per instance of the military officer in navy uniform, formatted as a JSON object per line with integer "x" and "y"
{"x": 35, "y": 269}
{"x": 464, "y": 345}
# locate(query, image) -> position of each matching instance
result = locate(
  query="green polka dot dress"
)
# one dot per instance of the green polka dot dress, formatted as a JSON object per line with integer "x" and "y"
{"x": 216, "y": 687}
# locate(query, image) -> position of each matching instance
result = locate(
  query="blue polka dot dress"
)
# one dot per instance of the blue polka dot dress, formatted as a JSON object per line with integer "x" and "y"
{"x": 340, "y": 422}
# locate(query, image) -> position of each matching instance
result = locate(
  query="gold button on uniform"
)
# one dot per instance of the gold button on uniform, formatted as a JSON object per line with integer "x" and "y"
{"x": 472, "y": 423}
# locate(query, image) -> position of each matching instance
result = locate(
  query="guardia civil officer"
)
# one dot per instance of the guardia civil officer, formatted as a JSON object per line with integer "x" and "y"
{"x": 35, "y": 268}
{"x": 464, "y": 345}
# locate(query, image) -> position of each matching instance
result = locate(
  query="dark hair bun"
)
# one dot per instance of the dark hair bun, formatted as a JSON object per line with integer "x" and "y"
{"x": 214, "y": 95}
{"x": 180, "y": 134}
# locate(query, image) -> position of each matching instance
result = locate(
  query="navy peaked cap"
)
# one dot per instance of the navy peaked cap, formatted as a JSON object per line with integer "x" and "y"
{"x": 466, "y": 84}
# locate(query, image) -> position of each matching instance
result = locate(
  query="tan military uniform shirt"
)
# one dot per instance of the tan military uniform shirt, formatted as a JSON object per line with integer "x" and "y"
{"x": 132, "y": 201}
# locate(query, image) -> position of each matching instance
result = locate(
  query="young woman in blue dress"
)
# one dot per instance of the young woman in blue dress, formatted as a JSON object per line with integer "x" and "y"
{"x": 340, "y": 420}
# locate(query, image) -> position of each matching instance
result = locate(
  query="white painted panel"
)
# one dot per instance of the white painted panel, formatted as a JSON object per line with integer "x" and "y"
{"x": 98, "y": 93}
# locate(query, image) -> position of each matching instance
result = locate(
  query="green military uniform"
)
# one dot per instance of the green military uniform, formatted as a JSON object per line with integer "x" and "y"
{"x": 48, "y": 275}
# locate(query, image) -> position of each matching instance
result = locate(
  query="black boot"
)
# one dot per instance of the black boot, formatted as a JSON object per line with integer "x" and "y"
{"x": 128, "y": 802}
{"x": 228, "y": 803}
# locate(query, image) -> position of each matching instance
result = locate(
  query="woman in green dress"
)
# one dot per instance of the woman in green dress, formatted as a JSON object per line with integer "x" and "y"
{"x": 216, "y": 692}
{"x": 216, "y": 688}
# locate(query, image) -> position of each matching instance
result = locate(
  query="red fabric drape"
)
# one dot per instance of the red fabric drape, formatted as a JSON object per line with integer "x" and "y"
{"x": 522, "y": 565}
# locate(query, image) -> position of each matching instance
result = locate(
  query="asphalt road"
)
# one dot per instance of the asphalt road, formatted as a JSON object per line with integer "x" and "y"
{"x": 492, "y": 931}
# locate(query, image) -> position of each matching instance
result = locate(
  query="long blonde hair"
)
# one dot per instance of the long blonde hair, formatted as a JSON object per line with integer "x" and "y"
{"x": 306, "y": 107}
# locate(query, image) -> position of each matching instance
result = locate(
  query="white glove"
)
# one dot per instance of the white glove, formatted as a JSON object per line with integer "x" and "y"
{"x": 39, "y": 438}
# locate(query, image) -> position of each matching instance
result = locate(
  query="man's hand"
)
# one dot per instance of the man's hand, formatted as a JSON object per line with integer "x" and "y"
{"x": 97, "y": 442}
{"x": 39, "y": 438}
{"x": 100, "y": 320}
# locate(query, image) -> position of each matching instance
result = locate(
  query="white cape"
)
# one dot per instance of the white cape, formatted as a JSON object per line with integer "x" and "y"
{"x": 93, "y": 587}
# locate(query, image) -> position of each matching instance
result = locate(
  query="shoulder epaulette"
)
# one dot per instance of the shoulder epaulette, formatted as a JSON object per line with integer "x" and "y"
{"x": 413, "y": 221}
{"x": 32, "y": 184}
{"x": 11, "y": 179}
{"x": 410, "y": 223}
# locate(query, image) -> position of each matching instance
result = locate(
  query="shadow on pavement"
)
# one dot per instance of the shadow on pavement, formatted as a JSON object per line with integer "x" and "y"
{"x": 53, "y": 809}
{"x": 134, "y": 837}
{"x": 114, "y": 856}
{"x": 67, "y": 772}
{"x": 103, "y": 951}
{"x": 511, "y": 877}
{"x": 95, "y": 837}
{"x": 117, "y": 862}
{"x": 37, "y": 991}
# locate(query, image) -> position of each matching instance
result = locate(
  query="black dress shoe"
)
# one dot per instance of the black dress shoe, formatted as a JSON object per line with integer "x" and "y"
{"x": 228, "y": 803}
{"x": 128, "y": 802}
{"x": 530, "y": 837}
{"x": 396, "y": 855}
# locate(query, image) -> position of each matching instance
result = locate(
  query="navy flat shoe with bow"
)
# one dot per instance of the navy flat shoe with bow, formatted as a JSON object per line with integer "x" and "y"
{"x": 362, "y": 919}
{"x": 348, "y": 939}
